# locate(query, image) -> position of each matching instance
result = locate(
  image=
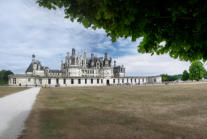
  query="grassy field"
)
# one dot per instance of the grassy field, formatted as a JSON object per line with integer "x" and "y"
{"x": 172, "y": 111}
{"x": 6, "y": 90}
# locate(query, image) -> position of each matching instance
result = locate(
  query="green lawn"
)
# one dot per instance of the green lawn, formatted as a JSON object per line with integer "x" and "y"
{"x": 172, "y": 111}
{"x": 6, "y": 90}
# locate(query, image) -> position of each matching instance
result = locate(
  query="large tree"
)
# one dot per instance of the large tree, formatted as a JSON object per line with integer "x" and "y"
{"x": 4, "y": 76}
{"x": 196, "y": 70}
{"x": 185, "y": 75}
{"x": 205, "y": 74}
{"x": 181, "y": 24}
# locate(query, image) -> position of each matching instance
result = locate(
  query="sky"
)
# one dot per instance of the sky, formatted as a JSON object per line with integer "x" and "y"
{"x": 26, "y": 29}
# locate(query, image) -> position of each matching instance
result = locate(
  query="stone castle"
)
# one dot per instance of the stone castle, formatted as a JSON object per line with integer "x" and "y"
{"x": 79, "y": 70}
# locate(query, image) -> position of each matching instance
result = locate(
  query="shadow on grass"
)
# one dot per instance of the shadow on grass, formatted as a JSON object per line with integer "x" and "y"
{"x": 94, "y": 123}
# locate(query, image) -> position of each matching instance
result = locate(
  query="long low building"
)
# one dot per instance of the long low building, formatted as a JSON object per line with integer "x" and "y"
{"x": 79, "y": 71}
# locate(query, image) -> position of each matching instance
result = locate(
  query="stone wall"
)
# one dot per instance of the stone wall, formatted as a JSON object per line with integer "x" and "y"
{"x": 81, "y": 81}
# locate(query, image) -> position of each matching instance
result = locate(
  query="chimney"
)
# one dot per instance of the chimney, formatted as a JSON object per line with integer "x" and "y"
{"x": 106, "y": 56}
{"x": 73, "y": 52}
{"x": 92, "y": 56}
{"x": 114, "y": 63}
{"x": 68, "y": 54}
{"x": 85, "y": 53}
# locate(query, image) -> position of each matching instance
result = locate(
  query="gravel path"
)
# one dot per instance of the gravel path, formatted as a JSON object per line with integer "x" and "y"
{"x": 14, "y": 109}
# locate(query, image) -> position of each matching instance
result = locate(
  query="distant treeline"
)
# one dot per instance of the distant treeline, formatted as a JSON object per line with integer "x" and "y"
{"x": 196, "y": 72}
{"x": 166, "y": 77}
{"x": 4, "y": 76}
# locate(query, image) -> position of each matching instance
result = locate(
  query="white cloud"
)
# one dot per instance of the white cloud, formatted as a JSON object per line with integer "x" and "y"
{"x": 27, "y": 28}
{"x": 144, "y": 64}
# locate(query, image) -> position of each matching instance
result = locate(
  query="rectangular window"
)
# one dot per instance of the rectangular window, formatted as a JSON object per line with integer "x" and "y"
{"x": 72, "y": 81}
{"x": 101, "y": 80}
{"x": 79, "y": 81}
{"x": 29, "y": 79}
{"x": 64, "y": 81}
{"x": 127, "y": 80}
{"x": 14, "y": 81}
{"x": 85, "y": 81}
{"x": 57, "y": 81}
{"x": 91, "y": 81}
{"x": 113, "y": 80}
{"x": 97, "y": 81}
{"x": 135, "y": 80}
{"x": 122, "y": 80}
{"x": 49, "y": 81}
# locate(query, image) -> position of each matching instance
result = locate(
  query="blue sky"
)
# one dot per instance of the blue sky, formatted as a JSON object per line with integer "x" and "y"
{"x": 26, "y": 28}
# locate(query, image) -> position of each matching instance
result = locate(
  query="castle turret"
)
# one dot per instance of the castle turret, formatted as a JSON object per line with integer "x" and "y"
{"x": 33, "y": 58}
{"x": 68, "y": 54}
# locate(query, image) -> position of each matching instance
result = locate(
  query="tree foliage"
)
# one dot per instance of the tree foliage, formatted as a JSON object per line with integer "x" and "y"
{"x": 196, "y": 70}
{"x": 166, "y": 77}
{"x": 181, "y": 24}
{"x": 185, "y": 75}
{"x": 4, "y": 76}
{"x": 205, "y": 74}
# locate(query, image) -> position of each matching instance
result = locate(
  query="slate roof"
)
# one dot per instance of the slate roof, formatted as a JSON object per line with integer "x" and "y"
{"x": 30, "y": 68}
{"x": 55, "y": 71}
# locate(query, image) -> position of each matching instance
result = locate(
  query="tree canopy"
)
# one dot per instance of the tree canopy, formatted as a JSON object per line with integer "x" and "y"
{"x": 205, "y": 74}
{"x": 182, "y": 25}
{"x": 166, "y": 77}
{"x": 196, "y": 70}
{"x": 4, "y": 76}
{"x": 185, "y": 75}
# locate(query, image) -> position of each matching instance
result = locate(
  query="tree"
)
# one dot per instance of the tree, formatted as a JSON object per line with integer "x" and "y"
{"x": 4, "y": 76}
{"x": 205, "y": 74}
{"x": 185, "y": 75}
{"x": 182, "y": 25}
{"x": 196, "y": 70}
{"x": 166, "y": 77}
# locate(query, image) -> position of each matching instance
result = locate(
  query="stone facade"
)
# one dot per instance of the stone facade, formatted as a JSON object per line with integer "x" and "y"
{"x": 79, "y": 70}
